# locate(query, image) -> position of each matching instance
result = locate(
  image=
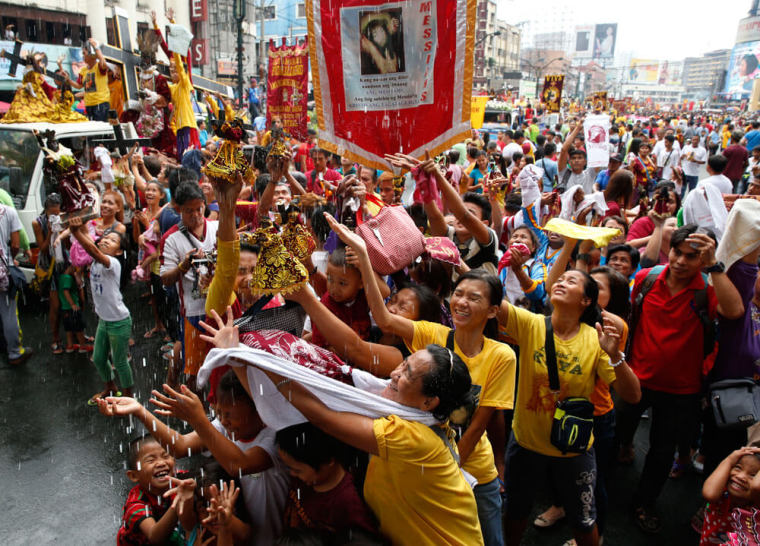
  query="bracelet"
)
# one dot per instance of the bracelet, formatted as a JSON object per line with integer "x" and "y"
{"x": 281, "y": 383}
{"x": 619, "y": 362}
{"x": 179, "y": 266}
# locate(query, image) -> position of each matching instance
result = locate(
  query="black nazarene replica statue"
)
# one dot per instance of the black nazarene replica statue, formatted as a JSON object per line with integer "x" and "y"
{"x": 66, "y": 172}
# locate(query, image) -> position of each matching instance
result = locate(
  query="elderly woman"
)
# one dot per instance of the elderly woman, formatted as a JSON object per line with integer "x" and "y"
{"x": 413, "y": 483}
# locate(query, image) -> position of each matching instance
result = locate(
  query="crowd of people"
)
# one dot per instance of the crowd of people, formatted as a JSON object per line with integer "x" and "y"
{"x": 371, "y": 357}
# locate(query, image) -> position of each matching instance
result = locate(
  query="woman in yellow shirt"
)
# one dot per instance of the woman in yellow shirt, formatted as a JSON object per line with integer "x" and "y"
{"x": 474, "y": 305}
{"x": 582, "y": 356}
{"x": 184, "y": 117}
{"x": 413, "y": 483}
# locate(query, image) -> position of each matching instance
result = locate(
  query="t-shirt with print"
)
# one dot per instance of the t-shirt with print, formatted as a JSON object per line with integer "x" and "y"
{"x": 174, "y": 247}
{"x": 139, "y": 506}
{"x": 106, "y": 292}
{"x": 580, "y": 360}
{"x": 416, "y": 489}
{"x": 585, "y": 179}
{"x": 265, "y": 493}
{"x": 473, "y": 253}
{"x": 717, "y": 523}
{"x": 493, "y": 369}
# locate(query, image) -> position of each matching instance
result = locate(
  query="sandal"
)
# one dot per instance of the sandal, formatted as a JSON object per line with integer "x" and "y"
{"x": 543, "y": 521}
{"x": 57, "y": 348}
{"x": 647, "y": 520}
{"x": 71, "y": 349}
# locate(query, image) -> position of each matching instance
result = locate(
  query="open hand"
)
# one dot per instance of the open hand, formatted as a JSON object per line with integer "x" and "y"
{"x": 184, "y": 405}
{"x": 183, "y": 492}
{"x": 224, "y": 335}
{"x": 112, "y": 406}
{"x": 706, "y": 246}
{"x": 609, "y": 338}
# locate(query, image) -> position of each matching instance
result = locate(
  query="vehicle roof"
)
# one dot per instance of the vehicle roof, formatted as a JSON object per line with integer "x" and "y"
{"x": 62, "y": 129}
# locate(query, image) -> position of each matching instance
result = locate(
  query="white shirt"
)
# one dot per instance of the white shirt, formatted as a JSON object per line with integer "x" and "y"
{"x": 585, "y": 179}
{"x": 668, "y": 160}
{"x": 690, "y": 168}
{"x": 174, "y": 249}
{"x": 510, "y": 149}
{"x": 9, "y": 224}
{"x": 659, "y": 148}
{"x": 264, "y": 493}
{"x": 721, "y": 182}
{"x": 106, "y": 293}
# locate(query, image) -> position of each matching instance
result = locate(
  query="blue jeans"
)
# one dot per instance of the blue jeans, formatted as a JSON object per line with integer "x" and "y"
{"x": 690, "y": 181}
{"x": 99, "y": 112}
{"x": 488, "y": 499}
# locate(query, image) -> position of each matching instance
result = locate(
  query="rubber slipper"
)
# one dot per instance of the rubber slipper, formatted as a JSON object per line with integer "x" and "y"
{"x": 57, "y": 348}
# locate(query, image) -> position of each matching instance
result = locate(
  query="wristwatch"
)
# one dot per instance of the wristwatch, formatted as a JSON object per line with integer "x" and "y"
{"x": 717, "y": 267}
{"x": 619, "y": 362}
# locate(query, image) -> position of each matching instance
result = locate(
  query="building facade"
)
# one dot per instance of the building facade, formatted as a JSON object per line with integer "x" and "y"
{"x": 497, "y": 48}
{"x": 705, "y": 76}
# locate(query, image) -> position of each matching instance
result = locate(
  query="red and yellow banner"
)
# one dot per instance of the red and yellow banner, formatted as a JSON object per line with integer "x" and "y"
{"x": 599, "y": 100}
{"x": 287, "y": 92}
{"x": 391, "y": 77}
{"x": 551, "y": 96}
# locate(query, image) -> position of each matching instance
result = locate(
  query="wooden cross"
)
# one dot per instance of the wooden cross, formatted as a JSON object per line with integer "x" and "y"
{"x": 119, "y": 142}
{"x": 16, "y": 59}
{"x": 129, "y": 59}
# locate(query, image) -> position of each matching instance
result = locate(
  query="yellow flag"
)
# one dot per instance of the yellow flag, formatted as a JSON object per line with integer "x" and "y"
{"x": 478, "y": 111}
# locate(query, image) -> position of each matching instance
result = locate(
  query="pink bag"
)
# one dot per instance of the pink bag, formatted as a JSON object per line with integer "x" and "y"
{"x": 77, "y": 254}
{"x": 393, "y": 241}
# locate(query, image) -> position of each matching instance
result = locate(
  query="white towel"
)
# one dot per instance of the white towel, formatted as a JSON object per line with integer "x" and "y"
{"x": 742, "y": 234}
{"x": 278, "y": 413}
{"x": 705, "y": 207}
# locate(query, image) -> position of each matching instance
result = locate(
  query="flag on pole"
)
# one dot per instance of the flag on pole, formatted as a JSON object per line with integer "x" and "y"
{"x": 391, "y": 77}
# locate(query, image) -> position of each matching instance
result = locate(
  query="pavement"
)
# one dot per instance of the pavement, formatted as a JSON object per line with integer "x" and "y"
{"x": 62, "y": 464}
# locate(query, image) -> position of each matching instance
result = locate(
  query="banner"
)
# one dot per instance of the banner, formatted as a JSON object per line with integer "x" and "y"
{"x": 599, "y": 100}
{"x": 478, "y": 111}
{"x": 287, "y": 91}
{"x": 391, "y": 76}
{"x": 596, "y": 130}
{"x": 551, "y": 96}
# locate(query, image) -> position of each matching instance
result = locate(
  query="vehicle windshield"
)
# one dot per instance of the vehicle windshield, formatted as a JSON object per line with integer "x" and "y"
{"x": 18, "y": 155}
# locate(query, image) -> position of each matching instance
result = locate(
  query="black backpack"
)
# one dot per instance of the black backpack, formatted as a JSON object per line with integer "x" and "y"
{"x": 709, "y": 325}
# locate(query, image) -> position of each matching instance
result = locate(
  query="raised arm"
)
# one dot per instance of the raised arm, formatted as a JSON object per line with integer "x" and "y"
{"x": 75, "y": 225}
{"x": 730, "y": 303}
{"x": 388, "y": 322}
{"x": 565, "y": 152}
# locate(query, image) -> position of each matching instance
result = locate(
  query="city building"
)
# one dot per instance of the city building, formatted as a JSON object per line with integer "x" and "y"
{"x": 497, "y": 48}
{"x": 705, "y": 76}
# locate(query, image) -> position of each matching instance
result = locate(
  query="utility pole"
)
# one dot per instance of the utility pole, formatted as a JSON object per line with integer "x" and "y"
{"x": 239, "y": 15}
{"x": 261, "y": 35}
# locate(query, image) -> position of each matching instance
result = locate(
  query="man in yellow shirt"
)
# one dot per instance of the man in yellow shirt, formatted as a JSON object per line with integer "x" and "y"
{"x": 94, "y": 78}
{"x": 184, "y": 116}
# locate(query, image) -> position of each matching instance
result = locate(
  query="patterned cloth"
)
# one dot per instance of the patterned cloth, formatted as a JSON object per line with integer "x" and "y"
{"x": 139, "y": 506}
{"x": 32, "y": 103}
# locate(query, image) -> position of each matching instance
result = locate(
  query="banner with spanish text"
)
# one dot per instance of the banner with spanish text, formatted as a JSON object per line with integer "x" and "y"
{"x": 478, "y": 111}
{"x": 551, "y": 96}
{"x": 391, "y": 76}
{"x": 287, "y": 87}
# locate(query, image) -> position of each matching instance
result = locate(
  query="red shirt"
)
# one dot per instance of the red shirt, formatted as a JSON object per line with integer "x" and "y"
{"x": 356, "y": 315}
{"x": 667, "y": 344}
{"x": 303, "y": 160}
{"x": 140, "y": 505}
{"x": 313, "y": 184}
{"x": 737, "y": 161}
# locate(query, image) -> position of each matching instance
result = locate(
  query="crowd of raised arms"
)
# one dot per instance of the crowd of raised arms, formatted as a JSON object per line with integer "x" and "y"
{"x": 369, "y": 356}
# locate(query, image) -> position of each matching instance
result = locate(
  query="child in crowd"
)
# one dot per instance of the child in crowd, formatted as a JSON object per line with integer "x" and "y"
{"x": 115, "y": 322}
{"x": 727, "y": 488}
{"x": 323, "y": 496}
{"x": 345, "y": 297}
{"x": 73, "y": 321}
{"x": 149, "y": 516}
{"x": 237, "y": 439}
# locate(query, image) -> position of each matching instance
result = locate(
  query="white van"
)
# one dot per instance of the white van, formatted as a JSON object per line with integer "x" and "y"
{"x": 21, "y": 163}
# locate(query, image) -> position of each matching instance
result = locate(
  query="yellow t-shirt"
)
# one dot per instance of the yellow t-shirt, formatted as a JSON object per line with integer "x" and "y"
{"x": 416, "y": 490}
{"x": 183, "y": 106}
{"x": 579, "y": 361}
{"x": 96, "y": 90}
{"x": 493, "y": 369}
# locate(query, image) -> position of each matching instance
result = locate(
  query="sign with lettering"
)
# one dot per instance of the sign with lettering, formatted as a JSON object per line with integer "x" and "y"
{"x": 391, "y": 76}
{"x": 287, "y": 91}
{"x": 199, "y": 51}
{"x": 198, "y": 10}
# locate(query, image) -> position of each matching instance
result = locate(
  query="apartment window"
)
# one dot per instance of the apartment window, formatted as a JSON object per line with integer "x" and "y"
{"x": 301, "y": 9}
{"x": 269, "y": 12}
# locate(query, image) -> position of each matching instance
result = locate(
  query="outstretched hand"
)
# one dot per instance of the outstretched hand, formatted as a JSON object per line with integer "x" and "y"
{"x": 402, "y": 161}
{"x": 184, "y": 405}
{"x": 183, "y": 492}
{"x": 609, "y": 338}
{"x": 225, "y": 335}
{"x": 346, "y": 235}
{"x": 113, "y": 406}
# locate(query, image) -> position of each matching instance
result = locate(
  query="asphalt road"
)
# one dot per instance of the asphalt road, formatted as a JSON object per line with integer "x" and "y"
{"x": 62, "y": 465}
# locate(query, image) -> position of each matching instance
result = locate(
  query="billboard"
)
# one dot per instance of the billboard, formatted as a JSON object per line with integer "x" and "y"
{"x": 670, "y": 73}
{"x": 605, "y": 36}
{"x": 644, "y": 71}
{"x": 584, "y": 41}
{"x": 749, "y": 30}
{"x": 742, "y": 69}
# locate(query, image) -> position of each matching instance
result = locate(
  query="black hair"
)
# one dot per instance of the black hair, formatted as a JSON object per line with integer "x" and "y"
{"x": 509, "y": 133}
{"x": 319, "y": 225}
{"x": 628, "y": 249}
{"x": 619, "y": 185}
{"x": 134, "y": 448}
{"x": 513, "y": 202}
{"x": 519, "y": 134}
{"x": 682, "y": 233}
{"x": 337, "y": 258}
{"x": 591, "y": 314}
{"x": 431, "y": 285}
{"x": 449, "y": 380}
{"x": 472, "y": 152}
{"x": 717, "y": 163}
{"x": 481, "y": 201}
{"x": 309, "y": 445}
{"x": 620, "y": 293}
{"x": 453, "y": 156}
{"x": 418, "y": 215}
{"x": 533, "y": 236}
{"x": 670, "y": 138}
{"x": 231, "y": 390}
{"x": 53, "y": 200}
{"x": 576, "y": 151}
{"x": 188, "y": 191}
{"x": 635, "y": 145}
{"x": 370, "y": 169}
{"x": 540, "y": 141}
{"x": 495, "y": 295}
{"x": 180, "y": 175}
{"x": 671, "y": 189}
{"x": 262, "y": 181}
{"x": 549, "y": 148}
